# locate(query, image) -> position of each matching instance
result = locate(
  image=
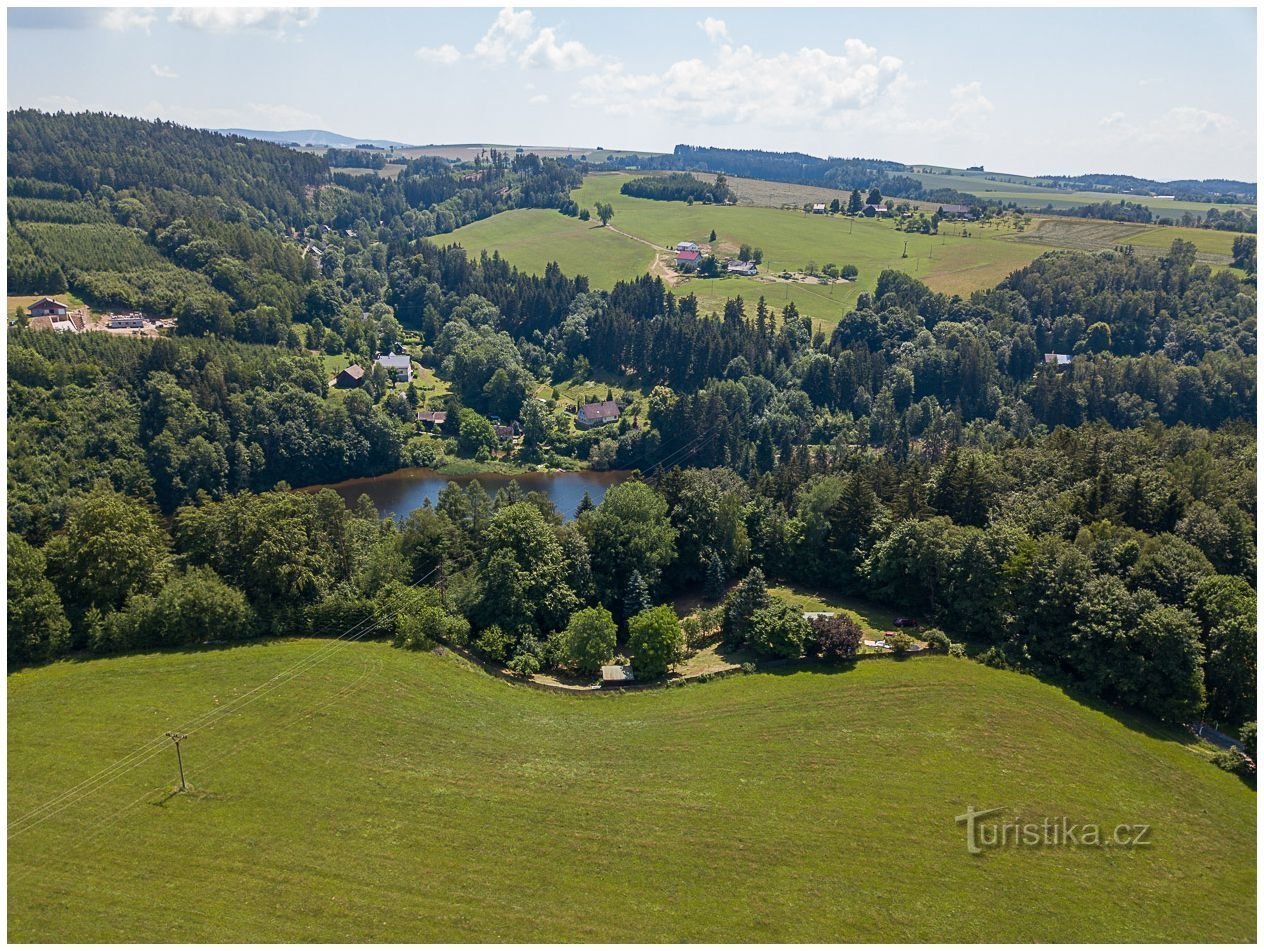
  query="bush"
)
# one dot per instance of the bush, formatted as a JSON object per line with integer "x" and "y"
{"x": 779, "y": 630}
{"x": 956, "y": 650}
{"x": 1246, "y": 736}
{"x": 430, "y": 626}
{"x": 494, "y": 644}
{"x": 995, "y": 657}
{"x": 525, "y": 664}
{"x": 937, "y": 639}
{"x": 900, "y": 642}
{"x": 1233, "y": 760}
{"x": 835, "y": 638}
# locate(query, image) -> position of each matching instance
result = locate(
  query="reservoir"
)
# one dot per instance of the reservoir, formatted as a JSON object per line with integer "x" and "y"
{"x": 398, "y": 493}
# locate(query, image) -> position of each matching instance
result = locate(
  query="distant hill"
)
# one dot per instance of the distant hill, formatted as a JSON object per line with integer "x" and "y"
{"x": 314, "y": 137}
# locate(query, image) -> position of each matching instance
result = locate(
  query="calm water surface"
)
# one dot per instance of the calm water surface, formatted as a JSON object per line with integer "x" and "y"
{"x": 398, "y": 493}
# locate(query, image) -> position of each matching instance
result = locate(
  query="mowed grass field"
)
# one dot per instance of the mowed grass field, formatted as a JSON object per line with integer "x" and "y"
{"x": 393, "y": 796}
{"x": 531, "y": 238}
{"x": 949, "y": 262}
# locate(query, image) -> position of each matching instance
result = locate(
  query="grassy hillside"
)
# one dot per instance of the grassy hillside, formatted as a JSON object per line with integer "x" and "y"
{"x": 997, "y": 186}
{"x": 947, "y": 262}
{"x": 394, "y": 796}
{"x": 790, "y": 240}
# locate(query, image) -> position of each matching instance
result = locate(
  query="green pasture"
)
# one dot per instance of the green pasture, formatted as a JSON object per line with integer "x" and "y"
{"x": 995, "y": 186}
{"x": 382, "y": 795}
{"x": 791, "y": 240}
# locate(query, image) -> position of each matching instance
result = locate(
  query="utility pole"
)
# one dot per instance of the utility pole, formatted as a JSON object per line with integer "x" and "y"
{"x": 177, "y": 738}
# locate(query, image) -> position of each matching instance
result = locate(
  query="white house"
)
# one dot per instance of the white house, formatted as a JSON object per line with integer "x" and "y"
{"x": 398, "y": 365}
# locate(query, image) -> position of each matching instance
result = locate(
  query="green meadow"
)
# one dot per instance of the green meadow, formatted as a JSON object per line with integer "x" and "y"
{"x": 950, "y": 262}
{"x": 391, "y": 796}
{"x": 1003, "y": 187}
{"x": 791, "y": 241}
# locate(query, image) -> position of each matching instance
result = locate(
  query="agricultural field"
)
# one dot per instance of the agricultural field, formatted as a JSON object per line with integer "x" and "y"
{"x": 1214, "y": 247}
{"x": 467, "y": 152}
{"x": 996, "y": 186}
{"x": 641, "y": 231}
{"x": 384, "y": 795}
{"x": 790, "y": 240}
{"x": 532, "y": 237}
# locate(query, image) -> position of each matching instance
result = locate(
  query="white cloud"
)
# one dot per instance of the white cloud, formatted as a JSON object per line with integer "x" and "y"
{"x": 1177, "y": 127}
{"x": 164, "y": 72}
{"x": 538, "y": 100}
{"x": 507, "y": 33}
{"x": 251, "y": 115}
{"x": 793, "y": 89}
{"x": 545, "y": 52}
{"x": 232, "y": 19}
{"x": 714, "y": 29}
{"x": 968, "y": 102}
{"x": 445, "y": 55}
{"x": 121, "y": 19}
{"x": 1190, "y": 121}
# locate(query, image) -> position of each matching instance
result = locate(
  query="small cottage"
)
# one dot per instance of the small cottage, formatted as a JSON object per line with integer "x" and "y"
{"x": 351, "y": 377}
{"x": 597, "y": 414}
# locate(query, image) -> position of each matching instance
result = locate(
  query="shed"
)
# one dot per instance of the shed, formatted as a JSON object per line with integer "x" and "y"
{"x": 617, "y": 675}
{"x": 1058, "y": 359}
{"x": 351, "y": 376}
{"x": 432, "y": 417}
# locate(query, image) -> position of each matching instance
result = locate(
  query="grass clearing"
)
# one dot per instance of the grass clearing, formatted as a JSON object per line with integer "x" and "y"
{"x": 26, "y": 300}
{"x": 394, "y": 796}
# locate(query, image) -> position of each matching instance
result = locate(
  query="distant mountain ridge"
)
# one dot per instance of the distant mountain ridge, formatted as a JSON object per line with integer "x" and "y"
{"x": 315, "y": 137}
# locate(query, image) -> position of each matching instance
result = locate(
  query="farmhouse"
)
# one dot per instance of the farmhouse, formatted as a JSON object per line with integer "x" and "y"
{"x": 398, "y": 365}
{"x": 617, "y": 675}
{"x": 818, "y": 208}
{"x": 596, "y": 414}
{"x": 879, "y": 211}
{"x": 352, "y": 376}
{"x": 742, "y": 267}
{"x": 126, "y": 322}
{"x": 956, "y": 211}
{"x": 432, "y": 418}
{"x": 47, "y": 307}
{"x": 504, "y": 433}
{"x": 687, "y": 246}
{"x": 1058, "y": 359}
{"x": 688, "y": 260}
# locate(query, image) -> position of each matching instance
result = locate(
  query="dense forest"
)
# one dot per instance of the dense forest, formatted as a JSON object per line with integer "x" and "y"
{"x": 1092, "y": 521}
{"x": 677, "y": 186}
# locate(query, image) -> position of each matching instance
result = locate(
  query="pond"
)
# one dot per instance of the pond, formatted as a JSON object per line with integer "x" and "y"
{"x": 398, "y": 493}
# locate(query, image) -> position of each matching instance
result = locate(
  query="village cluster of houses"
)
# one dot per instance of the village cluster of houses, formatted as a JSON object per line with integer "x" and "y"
{"x": 398, "y": 366}
{"x": 958, "y": 212}
{"x": 689, "y": 256}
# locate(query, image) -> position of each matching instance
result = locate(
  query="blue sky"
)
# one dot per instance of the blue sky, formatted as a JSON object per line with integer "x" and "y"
{"x": 1163, "y": 93}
